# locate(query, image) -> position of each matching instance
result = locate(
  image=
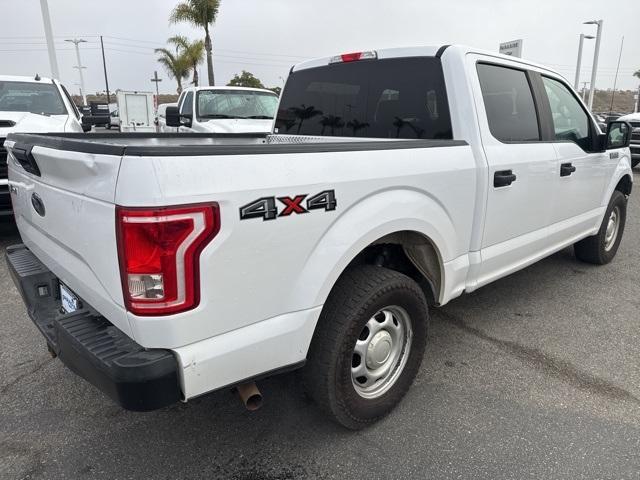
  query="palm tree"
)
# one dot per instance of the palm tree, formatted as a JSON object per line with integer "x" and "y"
{"x": 199, "y": 13}
{"x": 193, "y": 53}
{"x": 304, "y": 113}
{"x": 356, "y": 125}
{"x": 175, "y": 64}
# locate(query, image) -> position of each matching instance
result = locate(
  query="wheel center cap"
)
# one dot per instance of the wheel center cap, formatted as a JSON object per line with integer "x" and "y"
{"x": 379, "y": 349}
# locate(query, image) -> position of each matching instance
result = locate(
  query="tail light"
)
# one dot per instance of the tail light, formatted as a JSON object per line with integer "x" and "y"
{"x": 159, "y": 251}
{"x": 354, "y": 57}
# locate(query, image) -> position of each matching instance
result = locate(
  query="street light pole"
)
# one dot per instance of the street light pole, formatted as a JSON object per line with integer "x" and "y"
{"x": 76, "y": 42}
{"x": 48, "y": 33}
{"x": 596, "y": 53}
{"x": 576, "y": 83}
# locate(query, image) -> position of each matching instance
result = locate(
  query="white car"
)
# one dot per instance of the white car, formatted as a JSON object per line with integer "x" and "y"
{"x": 634, "y": 121}
{"x": 32, "y": 104}
{"x": 399, "y": 180}
{"x": 224, "y": 110}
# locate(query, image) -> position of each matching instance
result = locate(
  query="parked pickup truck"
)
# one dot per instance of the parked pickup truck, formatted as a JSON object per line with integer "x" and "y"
{"x": 634, "y": 121}
{"x": 32, "y": 104}
{"x": 223, "y": 110}
{"x": 160, "y": 268}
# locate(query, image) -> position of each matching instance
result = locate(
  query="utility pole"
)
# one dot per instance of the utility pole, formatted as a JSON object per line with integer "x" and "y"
{"x": 576, "y": 84}
{"x": 584, "y": 91}
{"x": 48, "y": 33}
{"x": 596, "y": 53}
{"x": 76, "y": 42}
{"x": 104, "y": 66}
{"x": 157, "y": 81}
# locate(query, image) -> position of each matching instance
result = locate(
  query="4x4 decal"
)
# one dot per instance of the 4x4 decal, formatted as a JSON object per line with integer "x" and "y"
{"x": 267, "y": 208}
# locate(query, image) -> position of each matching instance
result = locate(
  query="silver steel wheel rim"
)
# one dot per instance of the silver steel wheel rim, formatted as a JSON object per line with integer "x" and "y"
{"x": 381, "y": 352}
{"x": 613, "y": 226}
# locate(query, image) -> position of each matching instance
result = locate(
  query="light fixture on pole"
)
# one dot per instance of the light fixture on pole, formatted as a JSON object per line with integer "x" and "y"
{"x": 596, "y": 53}
{"x": 76, "y": 42}
{"x": 576, "y": 84}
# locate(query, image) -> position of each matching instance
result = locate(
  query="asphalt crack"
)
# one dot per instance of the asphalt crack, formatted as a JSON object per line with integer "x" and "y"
{"x": 549, "y": 364}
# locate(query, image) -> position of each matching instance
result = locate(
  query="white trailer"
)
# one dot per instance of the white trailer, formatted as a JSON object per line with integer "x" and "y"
{"x": 136, "y": 111}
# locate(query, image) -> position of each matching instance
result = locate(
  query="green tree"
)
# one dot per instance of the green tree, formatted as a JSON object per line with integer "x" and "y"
{"x": 199, "y": 13}
{"x": 277, "y": 90}
{"x": 175, "y": 65}
{"x": 637, "y": 73}
{"x": 245, "y": 79}
{"x": 192, "y": 53}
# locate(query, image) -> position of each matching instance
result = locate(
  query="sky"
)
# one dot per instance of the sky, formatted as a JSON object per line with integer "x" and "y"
{"x": 266, "y": 37}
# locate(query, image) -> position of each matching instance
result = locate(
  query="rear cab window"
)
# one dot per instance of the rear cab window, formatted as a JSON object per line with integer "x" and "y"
{"x": 384, "y": 98}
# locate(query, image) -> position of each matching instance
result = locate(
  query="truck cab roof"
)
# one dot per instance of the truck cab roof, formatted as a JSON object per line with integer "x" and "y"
{"x": 416, "y": 51}
{"x": 24, "y": 78}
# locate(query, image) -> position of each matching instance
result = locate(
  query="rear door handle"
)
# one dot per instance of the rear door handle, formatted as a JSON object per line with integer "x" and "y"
{"x": 566, "y": 169}
{"x": 503, "y": 178}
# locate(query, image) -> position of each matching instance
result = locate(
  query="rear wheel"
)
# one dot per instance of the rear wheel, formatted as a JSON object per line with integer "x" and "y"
{"x": 368, "y": 345}
{"x": 603, "y": 246}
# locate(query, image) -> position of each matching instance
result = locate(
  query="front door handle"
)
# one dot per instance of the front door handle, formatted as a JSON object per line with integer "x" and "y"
{"x": 503, "y": 178}
{"x": 566, "y": 169}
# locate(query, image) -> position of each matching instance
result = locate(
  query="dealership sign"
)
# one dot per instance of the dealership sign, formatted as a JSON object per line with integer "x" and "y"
{"x": 512, "y": 48}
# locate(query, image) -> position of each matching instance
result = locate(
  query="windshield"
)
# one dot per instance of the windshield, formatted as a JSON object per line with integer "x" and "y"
{"x": 41, "y": 98}
{"x": 236, "y": 104}
{"x": 389, "y": 98}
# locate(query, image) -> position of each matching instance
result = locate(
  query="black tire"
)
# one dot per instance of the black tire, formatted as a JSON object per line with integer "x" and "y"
{"x": 594, "y": 249}
{"x": 360, "y": 293}
{"x": 108, "y": 126}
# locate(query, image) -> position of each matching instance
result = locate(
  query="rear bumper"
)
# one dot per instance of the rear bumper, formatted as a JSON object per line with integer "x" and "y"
{"x": 134, "y": 377}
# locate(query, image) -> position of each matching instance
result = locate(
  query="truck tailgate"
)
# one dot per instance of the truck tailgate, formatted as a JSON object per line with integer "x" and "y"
{"x": 65, "y": 213}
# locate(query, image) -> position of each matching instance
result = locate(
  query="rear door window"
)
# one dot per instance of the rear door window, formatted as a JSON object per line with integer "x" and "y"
{"x": 389, "y": 98}
{"x": 508, "y": 100}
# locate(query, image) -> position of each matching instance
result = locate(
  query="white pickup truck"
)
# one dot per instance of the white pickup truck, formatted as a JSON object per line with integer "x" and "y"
{"x": 32, "y": 104}
{"x": 223, "y": 110}
{"x": 161, "y": 268}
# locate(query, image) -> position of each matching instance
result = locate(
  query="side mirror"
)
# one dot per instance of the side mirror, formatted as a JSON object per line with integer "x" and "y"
{"x": 173, "y": 116}
{"x": 174, "y": 119}
{"x": 87, "y": 124}
{"x": 618, "y": 135}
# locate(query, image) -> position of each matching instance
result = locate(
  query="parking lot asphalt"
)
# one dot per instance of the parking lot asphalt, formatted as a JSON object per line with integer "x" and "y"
{"x": 534, "y": 376}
